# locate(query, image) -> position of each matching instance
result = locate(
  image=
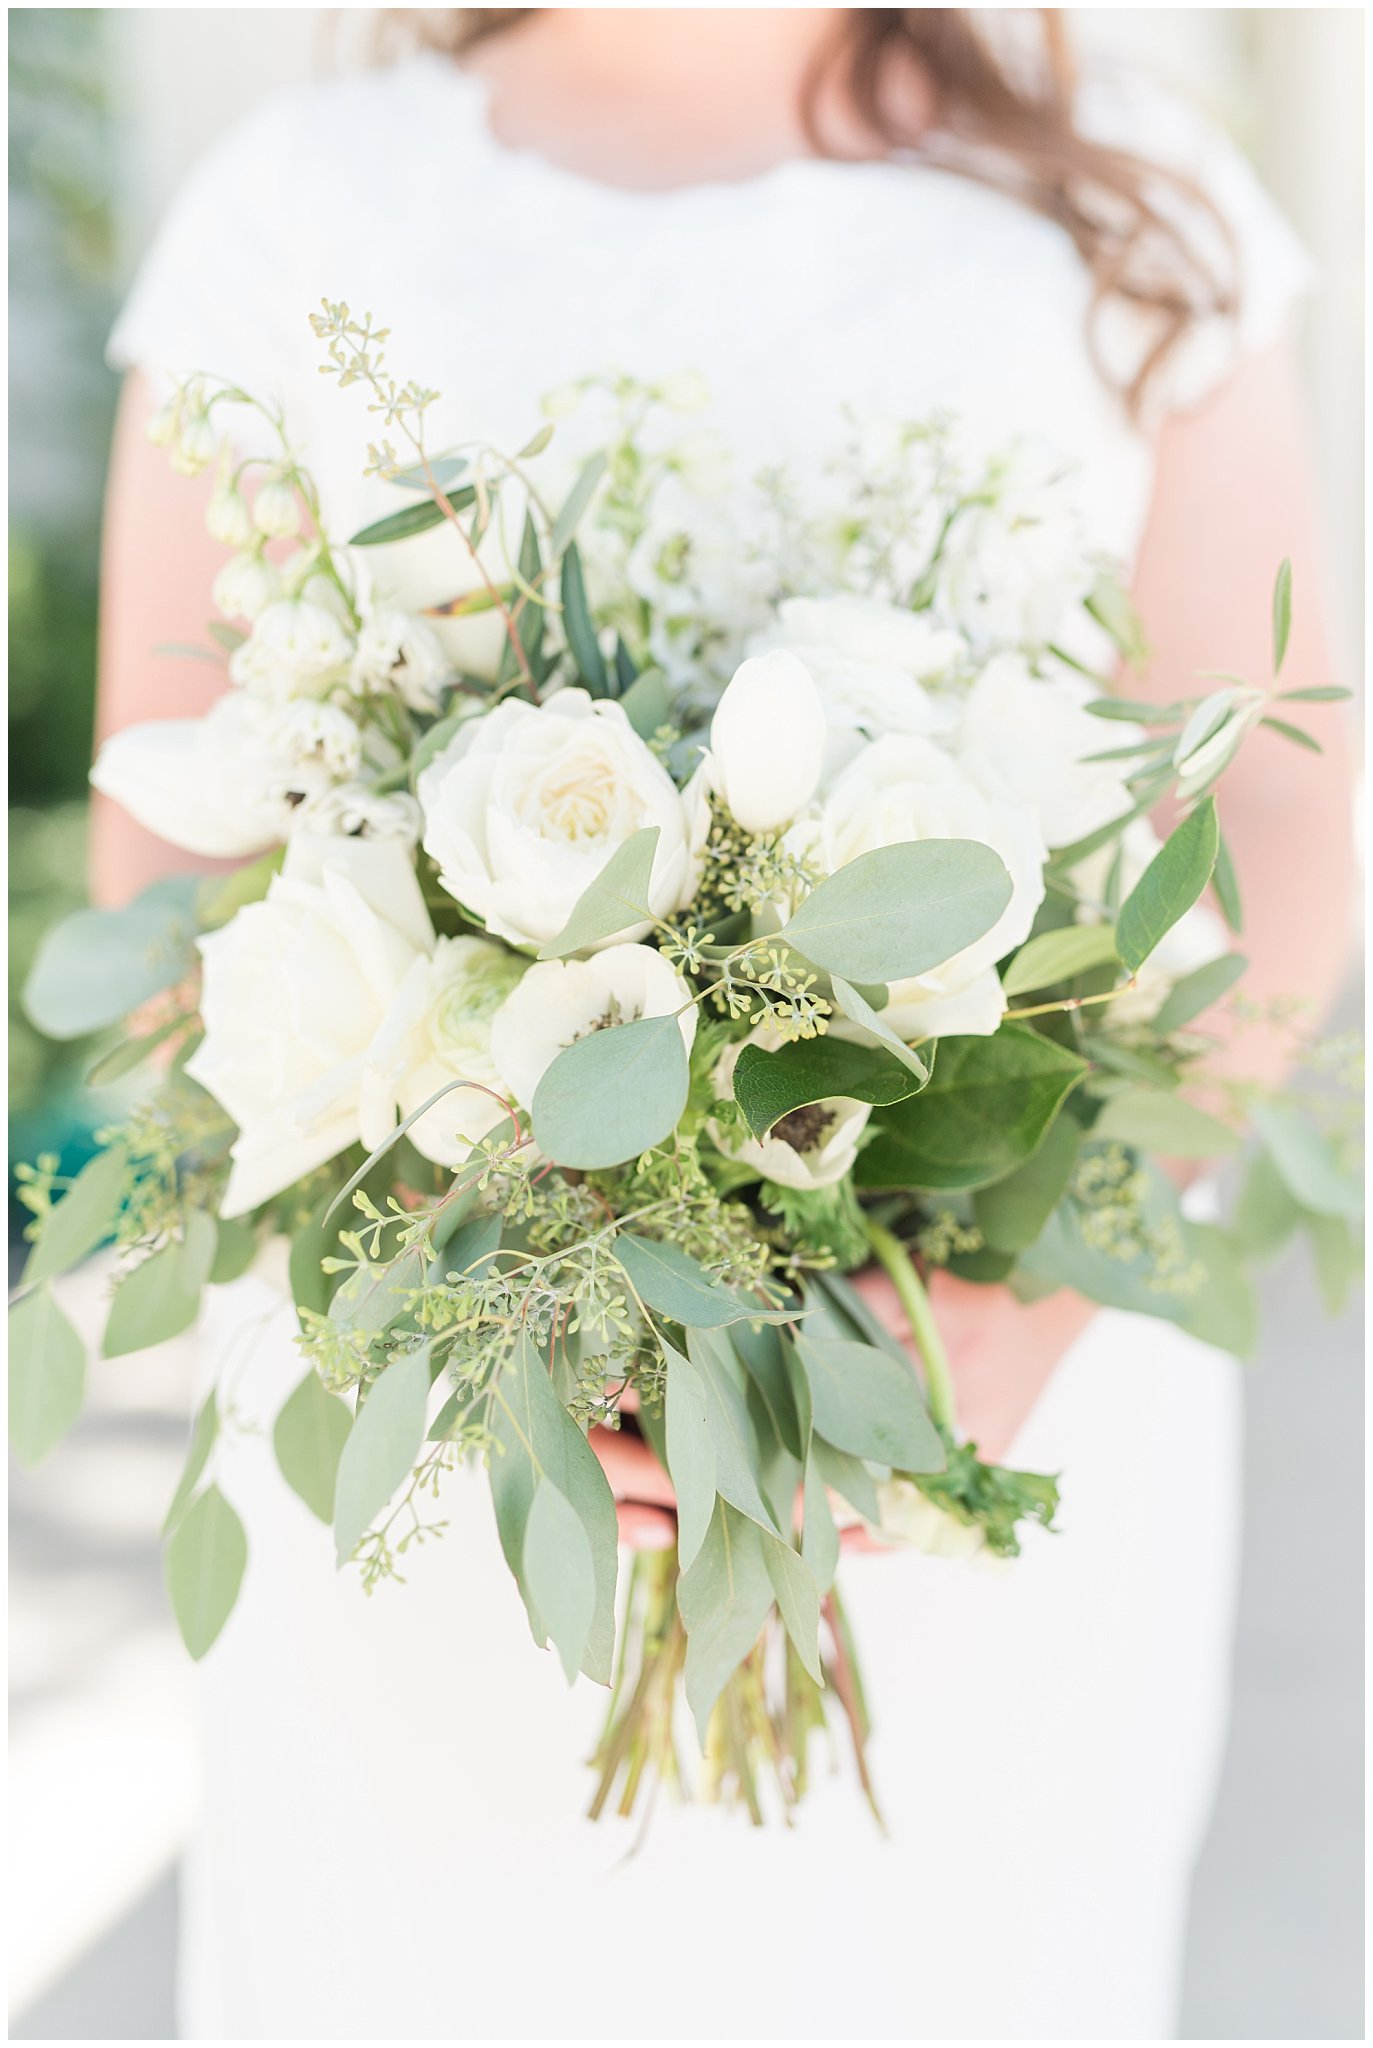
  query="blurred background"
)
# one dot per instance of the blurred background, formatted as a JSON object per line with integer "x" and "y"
{"x": 107, "y": 110}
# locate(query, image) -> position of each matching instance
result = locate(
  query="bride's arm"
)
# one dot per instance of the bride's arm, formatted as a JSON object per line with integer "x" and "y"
{"x": 1232, "y": 497}
{"x": 158, "y": 565}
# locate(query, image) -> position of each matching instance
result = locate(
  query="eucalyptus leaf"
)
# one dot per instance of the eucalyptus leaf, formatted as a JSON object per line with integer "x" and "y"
{"x": 613, "y": 1094}
{"x": 1306, "y": 1160}
{"x": 900, "y": 910}
{"x": 47, "y": 1371}
{"x": 204, "y": 1432}
{"x": 724, "y": 1599}
{"x": 560, "y": 1573}
{"x": 690, "y": 1454}
{"x": 128, "y": 1056}
{"x": 770, "y": 1085}
{"x": 1224, "y": 1310}
{"x": 96, "y": 966}
{"x": 1151, "y": 1120}
{"x": 206, "y": 1555}
{"x": 867, "y": 1404}
{"x": 413, "y": 519}
{"x": 614, "y": 901}
{"x": 820, "y": 1537}
{"x": 673, "y": 1283}
{"x": 220, "y": 897}
{"x": 849, "y": 1477}
{"x": 798, "y": 1601}
{"x": 308, "y": 1438}
{"x": 1336, "y": 1250}
{"x": 856, "y": 1005}
{"x": 647, "y": 703}
{"x": 160, "y": 1297}
{"x": 1058, "y": 956}
{"x": 382, "y": 1448}
{"x": 986, "y": 1109}
{"x": 1012, "y": 1212}
{"x": 1197, "y": 991}
{"x": 1169, "y": 886}
{"x": 235, "y": 1249}
{"x": 731, "y": 1433}
{"x": 579, "y": 626}
{"x": 576, "y": 502}
{"x": 83, "y": 1218}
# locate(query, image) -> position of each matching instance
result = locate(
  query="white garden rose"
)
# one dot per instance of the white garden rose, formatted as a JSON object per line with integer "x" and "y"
{"x": 812, "y": 1147}
{"x": 524, "y": 808}
{"x": 1199, "y": 936}
{"x": 436, "y": 1031}
{"x": 296, "y": 989}
{"x": 229, "y": 784}
{"x": 767, "y": 742}
{"x": 1014, "y": 565}
{"x": 397, "y": 652}
{"x": 906, "y": 788}
{"x": 1026, "y": 738}
{"x": 245, "y": 586}
{"x": 560, "y": 1001}
{"x": 296, "y": 649}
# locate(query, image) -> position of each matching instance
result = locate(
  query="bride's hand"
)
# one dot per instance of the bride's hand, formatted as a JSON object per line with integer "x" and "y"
{"x": 645, "y": 1504}
{"x": 1003, "y": 1352}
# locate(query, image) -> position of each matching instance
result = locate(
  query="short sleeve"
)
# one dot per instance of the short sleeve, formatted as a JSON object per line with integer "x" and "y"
{"x": 214, "y": 292}
{"x": 1246, "y": 241}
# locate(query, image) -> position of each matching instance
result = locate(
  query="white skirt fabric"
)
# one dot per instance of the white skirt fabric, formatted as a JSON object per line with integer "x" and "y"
{"x": 393, "y": 1843}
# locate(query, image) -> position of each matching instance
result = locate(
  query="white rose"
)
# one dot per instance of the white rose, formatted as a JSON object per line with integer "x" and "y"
{"x": 905, "y": 788}
{"x": 226, "y": 785}
{"x": 767, "y": 742}
{"x": 438, "y": 1030}
{"x": 400, "y": 653}
{"x": 525, "y": 806}
{"x": 560, "y": 1001}
{"x": 1199, "y": 936}
{"x": 1014, "y": 568}
{"x": 296, "y": 649}
{"x": 812, "y": 1147}
{"x": 245, "y": 586}
{"x": 1026, "y": 738}
{"x": 296, "y": 988}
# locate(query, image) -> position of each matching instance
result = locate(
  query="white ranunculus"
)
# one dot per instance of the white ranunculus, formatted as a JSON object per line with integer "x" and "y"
{"x": 1014, "y": 565}
{"x": 245, "y": 586}
{"x": 525, "y": 806}
{"x": 436, "y": 1031}
{"x": 813, "y": 1147}
{"x": 1026, "y": 738}
{"x": 227, "y": 785}
{"x": 296, "y": 989}
{"x": 903, "y": 788}
{"x": 767, "y": 742}
{"x": 296, "y": 649}
{"x": 400, "y": 653}
{"x": 560, "y": 1001}
{"x": 1198, "y": 937}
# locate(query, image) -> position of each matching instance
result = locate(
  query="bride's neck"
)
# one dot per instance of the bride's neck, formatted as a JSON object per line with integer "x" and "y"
{"x": 745, "y": 51}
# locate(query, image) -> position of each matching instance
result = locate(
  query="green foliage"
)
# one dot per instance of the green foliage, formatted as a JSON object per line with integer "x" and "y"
{"x": 1282, "y": 615}
{"x": 160, "y": 1296}
{"x": 381, "y": 1449}
{"x": 725, "y": 1598}
{"x": 308, "y": 1437}
{"x": 868, "y": 1404}
{"x": 615, "y": 900}
{"x": 98, "y": 965}
{"x": 992, "y": 1498}
{"x": 206, "y": 1555}
{"x": 69, "y": 1231}
{"x": 1169, "y": 886}
{"x": 613, "y": 1094}
{"x": 674, "y": 1284}
{"x": 855, "y": 1005}
{"x": 1197, "y": 991}
{"x": 1012, "y": 1212}
{"x": 1164, "y": 1123}
{"x": 986, "y": 1109}
{"x": 1058, "y": 956}
{"x": 770, "y": 1085}
{"x": 47, "y": 1373}
{"x": 560, "y": 1573}
{"x": 900, "y": 910}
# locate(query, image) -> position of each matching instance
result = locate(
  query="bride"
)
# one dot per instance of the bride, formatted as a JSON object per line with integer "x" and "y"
{"x": 841, "y": 217}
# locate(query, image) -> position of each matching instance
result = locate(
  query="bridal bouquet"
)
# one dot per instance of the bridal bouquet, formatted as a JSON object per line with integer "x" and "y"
{"x": 642, "y": 922}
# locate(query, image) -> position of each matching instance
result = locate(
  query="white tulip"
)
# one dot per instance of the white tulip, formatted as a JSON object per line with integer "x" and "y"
{"x": 1026, "y": 738}
{"x": 276, "y": 509}
{"x": 560, "y": 1001}
{"x": 436, "y": 1031}
{"x": 296, "y": 649}
{"x": 296, "y": 989}
{"x": 226, "y": 785}
{"x": 525, "y": 806}
{"x": 813, "y": 1147}
{"x": 906, "y": 788}
{"x": 767, "y": 742}
{"x": 245, "y": 586}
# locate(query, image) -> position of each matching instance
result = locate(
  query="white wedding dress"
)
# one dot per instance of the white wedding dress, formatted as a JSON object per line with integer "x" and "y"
{"x": 392, "y": 1844}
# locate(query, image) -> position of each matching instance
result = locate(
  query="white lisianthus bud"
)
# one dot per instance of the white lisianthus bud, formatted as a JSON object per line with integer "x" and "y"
{"x": 276, "y": 509}
{"x": 296, "y": 649}
{"x": 227, "y": 518}
{"x": 245, "y": 586}
{"x": 438, "y": 1030}
{"x": 196, "y": 445}
{"x": 767, "y": 742}
{"x": 685, "y": 391}
{"x": 525, "y": 806}
{"x": 1211, "y": 737}
{"x": 560, "y": 1001}
{"x": 812, "y": 1147}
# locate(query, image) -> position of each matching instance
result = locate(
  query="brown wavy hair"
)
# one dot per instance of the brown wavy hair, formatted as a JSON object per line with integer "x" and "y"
{"x": 1006, "y": 124}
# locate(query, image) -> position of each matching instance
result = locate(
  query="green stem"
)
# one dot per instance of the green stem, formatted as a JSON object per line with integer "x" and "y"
{"x": 892, "y": 1255}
